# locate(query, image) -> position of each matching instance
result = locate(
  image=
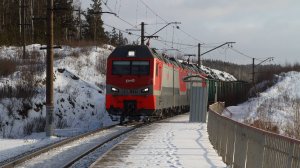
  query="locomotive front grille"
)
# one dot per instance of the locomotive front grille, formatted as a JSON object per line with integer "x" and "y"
{"x": 130, "y": 92}
{"x": 133, "y": 91}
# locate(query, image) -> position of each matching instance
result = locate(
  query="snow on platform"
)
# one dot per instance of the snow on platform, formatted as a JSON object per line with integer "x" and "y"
{"x": 170, "y": 143}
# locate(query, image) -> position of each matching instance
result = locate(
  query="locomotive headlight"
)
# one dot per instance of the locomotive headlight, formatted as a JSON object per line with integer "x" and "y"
{"x": 114, "y": 89}
{"x": 131, "y": 54}
{"x": 146, "y": 90}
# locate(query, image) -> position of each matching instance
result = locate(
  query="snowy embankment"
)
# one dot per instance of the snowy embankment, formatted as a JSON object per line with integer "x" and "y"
{"x": 79, "y": 97}
{"x": 277, "y": 109}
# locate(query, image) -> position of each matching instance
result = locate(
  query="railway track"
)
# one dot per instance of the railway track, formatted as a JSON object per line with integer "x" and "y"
{"x": 97, "y": 146}
{"x": 70, "y": 150}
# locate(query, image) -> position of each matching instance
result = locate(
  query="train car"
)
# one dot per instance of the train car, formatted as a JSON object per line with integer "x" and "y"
{"x": 142, "y": 83}
{"x": 230, "y": 92}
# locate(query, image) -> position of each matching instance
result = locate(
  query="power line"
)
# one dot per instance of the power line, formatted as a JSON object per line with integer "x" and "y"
{"x": 157, "y": 16}
{"x": 124, "y": 31}
{"x": 197, "y": 40}
{"x": 136, "y": 12}
{"x": 239, "y": 52}
{"x": 116, "y": 15}
{"x": 147, "y": 6}
{"x": 170, "y": 42}
{"x": 159, "y": 23}
{"x": 167, "y": 22}
{"x": 188, "y": 48}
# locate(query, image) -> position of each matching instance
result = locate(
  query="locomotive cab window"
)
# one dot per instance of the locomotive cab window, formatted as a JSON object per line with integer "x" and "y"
{"x": 130, "y": 68}
{"x": 140, "y": 67}
{"x": 121, "y": 67}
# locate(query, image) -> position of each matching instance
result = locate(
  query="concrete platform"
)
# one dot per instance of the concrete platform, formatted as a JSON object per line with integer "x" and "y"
{"x": 171, "y": 143}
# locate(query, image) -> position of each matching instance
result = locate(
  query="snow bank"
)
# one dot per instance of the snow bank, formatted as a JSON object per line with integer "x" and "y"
{"x": 78, "y": 90}
{"x": 279, "y": 105}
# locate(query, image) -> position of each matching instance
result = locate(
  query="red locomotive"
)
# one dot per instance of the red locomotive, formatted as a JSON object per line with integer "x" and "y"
{"x": 141, "y": 83}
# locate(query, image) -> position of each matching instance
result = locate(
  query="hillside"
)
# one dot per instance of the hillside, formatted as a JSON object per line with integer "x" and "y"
{"x": 78, "y": 89}
{"x": 277, "y": 109}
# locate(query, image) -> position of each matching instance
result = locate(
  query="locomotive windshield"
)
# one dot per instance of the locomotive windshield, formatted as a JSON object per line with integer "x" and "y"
{"x": 130, "y": 68}
{"x": 121, "y": 68}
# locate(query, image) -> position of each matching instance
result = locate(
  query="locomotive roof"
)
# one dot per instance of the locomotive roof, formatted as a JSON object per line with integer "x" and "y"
{"x": 140, "y": 51}
{"x": 143, "y": 51}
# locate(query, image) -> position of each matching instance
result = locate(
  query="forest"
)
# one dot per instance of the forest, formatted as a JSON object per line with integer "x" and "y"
{"x": 26, "y": 19}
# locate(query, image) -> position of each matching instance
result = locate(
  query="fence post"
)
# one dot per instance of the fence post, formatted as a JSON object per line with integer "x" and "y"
{"x": 291, "y": 153}
{"x": 255, "y": 150}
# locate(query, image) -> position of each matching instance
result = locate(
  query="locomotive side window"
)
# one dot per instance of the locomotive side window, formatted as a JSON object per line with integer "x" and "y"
{"x": 140, "y": 67}
{"x": 121, "y": 67}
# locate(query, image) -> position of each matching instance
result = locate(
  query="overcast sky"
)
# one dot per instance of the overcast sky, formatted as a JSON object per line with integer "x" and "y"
{"x": 260, "y": 28}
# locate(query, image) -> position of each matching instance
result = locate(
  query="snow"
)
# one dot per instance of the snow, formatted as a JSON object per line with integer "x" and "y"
{"x": 214, "y": 73}
{"x": 89, "y": 159}
{"x": 12, "y": 147}
{"x": 218, "y": 75}
{"x": 59, "y": 156}
{"x": 170, "y": 143}
{"x": 78, "y": 90}
{"x": 279, "y": 104}
{"x": 79, "y": 98}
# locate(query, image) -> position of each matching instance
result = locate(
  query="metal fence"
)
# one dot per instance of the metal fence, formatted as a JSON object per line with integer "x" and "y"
{"x": 242, "y": 146}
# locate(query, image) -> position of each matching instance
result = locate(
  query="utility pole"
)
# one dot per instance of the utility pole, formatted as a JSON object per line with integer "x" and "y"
{"x": 79, "y": 18}
{"x": 199, "y": 54}
{"x": 23, "y": 25}
{"x": 152, "y": 35}
{"x": 142, "y": 33}
{"x": 49, "y": 71}
{"x": 32, "y": 25}
{"x": 23, "y": 17}
{"x": 23, "y": 28}
{"x": 253, "y": 65}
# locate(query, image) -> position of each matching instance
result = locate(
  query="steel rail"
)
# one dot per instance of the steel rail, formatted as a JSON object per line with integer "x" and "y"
{"x": 24, "y": 157}
{"x": 88, "y": 151}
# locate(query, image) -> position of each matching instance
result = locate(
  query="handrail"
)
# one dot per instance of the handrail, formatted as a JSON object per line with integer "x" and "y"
{"x": 241, "y": 145}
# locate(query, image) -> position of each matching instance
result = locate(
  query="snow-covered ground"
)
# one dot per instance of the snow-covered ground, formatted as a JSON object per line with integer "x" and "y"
{"x": 170, "y": 143}
{"x": 62, "y": 155}
{"x": 79, "y": 100}
{"x": 10, "y": 148}
{"x": 279, "y": 106}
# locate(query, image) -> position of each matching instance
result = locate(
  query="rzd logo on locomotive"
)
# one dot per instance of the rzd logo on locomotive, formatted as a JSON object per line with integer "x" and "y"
{"x": 130, "y": 80}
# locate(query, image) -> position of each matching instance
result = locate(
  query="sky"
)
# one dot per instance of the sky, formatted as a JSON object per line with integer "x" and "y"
{"x": 261, "y": 29}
